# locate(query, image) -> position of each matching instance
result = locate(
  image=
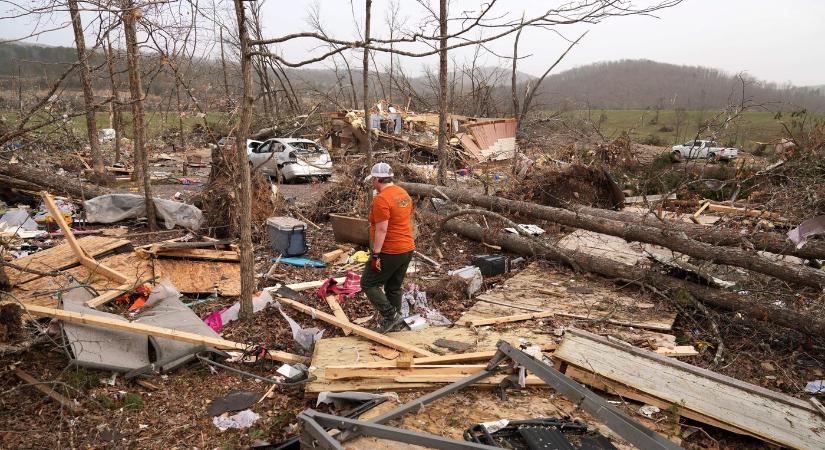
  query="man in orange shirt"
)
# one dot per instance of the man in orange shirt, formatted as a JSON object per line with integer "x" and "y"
{"x": 391, "y": 235}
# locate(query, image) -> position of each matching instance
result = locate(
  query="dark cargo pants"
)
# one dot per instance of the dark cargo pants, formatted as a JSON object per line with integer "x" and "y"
{"x": 391, "y": 278}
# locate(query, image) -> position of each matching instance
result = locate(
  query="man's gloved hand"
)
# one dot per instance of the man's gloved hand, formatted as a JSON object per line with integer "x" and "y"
{"x": 375, "y": 262}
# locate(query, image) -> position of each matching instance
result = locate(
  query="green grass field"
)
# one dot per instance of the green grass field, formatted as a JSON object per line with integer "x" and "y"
{"x": 743, "y": 131}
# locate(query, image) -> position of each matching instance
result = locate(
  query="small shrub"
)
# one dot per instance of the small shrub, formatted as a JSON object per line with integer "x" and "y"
{"x": 105, "y": 401}
{"x": 133, "y": 401}
{"x": 665, "y": 129}
{"x": 652, "y": 139}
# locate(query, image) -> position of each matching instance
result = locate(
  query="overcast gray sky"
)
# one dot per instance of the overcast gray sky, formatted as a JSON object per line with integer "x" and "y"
{"x": 778, "y": 41}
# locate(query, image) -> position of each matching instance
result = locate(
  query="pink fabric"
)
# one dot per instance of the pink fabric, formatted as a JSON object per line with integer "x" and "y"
{"x": 345, "y": 290}
{"x": 214, "y": 320}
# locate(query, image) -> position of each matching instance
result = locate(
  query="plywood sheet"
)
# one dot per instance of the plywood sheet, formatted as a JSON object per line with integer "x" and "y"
{"x": 775, "y": 417}
{"x": 355, "y": 350}
{"x": 60, "y": 257}
{"x": 202, "y": 277}
{"x": 602, "y": 246}
{"x": 539, "y": 289}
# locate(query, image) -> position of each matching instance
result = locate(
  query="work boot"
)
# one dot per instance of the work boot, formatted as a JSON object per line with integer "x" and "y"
{"x": 387, "y": 324}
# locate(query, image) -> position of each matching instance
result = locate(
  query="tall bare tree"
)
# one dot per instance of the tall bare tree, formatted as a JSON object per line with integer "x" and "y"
{"x": 442, "y": 93}
{"x": 131, "y": 14}
{"x": 114, "y": 105}
{"x": 244, "y": 189}
{"x": 88, "y": 94}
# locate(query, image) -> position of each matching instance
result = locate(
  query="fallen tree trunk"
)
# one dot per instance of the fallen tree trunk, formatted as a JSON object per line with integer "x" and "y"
{"x": 769, "y": 242}
{"x": 22, "y": 176}
{"x": 793, "y": 273}
{"x": 808, "y": 324}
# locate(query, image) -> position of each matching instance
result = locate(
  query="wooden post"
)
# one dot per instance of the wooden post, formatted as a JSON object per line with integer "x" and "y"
{"x": 332, "y": 300}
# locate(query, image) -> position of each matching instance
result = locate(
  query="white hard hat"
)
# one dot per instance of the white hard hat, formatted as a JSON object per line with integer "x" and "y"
{"x": 379, "y": 170}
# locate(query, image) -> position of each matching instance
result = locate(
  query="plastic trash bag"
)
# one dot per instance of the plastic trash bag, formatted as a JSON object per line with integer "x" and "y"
{"x": 305, "y": 337}
{"x": 112, "y": 208}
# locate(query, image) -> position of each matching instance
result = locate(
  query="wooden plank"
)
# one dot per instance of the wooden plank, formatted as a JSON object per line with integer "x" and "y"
{"x": 78, "y": 251}
{"x": 359, "y": 330}
{"x": 450, "y": 359}
{"x": 679, "y": 350}
{"x": 740, "y": 405}
{"x": 612, "y": 387}
{"x": 151, "y": 330}
{"x": 347, "y": 372}
{"x": 354, "y": 350}
{"x": 58, "y": 218}
{"x": 60, "y": 257}
{"x": 505, "y": 319}
{"x": 306, "y": 285}
{"x": 537, "y": 290}
{"x": 746, "y": 212}
{"x": 495, "y": 380}
{"x": 330, "y": 257}
{"x": 203, "y": 277}
{"x": 54, "y": 395}
{"x": 338, "y": 312}
{"x": 110, "y": 295}
{"x": 199, "y": 253}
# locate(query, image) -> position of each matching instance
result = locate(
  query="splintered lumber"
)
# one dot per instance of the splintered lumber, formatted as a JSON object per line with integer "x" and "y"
{"x": 346, "y": 372}
{"x": 151, "y": 330}
{"x": 306, "y": 285}
{"x": 60, "y": 257}
{"x": 110, "y": 295}
{"x": 359, "y": 330}
{"x": 81, "y": 255}
{"x": 505, "y": 319}
{"x": 446, "y": 359}
{"x": 198, "y": 253}
{"x": 578, "y": 215}
{"x": 54, "y": 395}
{"x": 495, "y": 380}
{"x": 806, "y": 323}
{"x": 679, "y": 350}
{"x": 332, "y": 256}
{"x": 750, "y": 409}
{"x": 338, "y": 312}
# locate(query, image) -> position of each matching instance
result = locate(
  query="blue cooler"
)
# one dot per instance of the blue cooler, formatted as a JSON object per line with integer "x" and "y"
{"x": 287, "y": 236}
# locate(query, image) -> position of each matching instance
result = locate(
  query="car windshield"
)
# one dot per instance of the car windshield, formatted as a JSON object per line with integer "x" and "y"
{"x": 306, "y": 147}
{"x": 712, "y": 144}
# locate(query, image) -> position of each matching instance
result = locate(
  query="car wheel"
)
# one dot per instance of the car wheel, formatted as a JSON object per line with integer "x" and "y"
{"x": 281, "y": 177}
{"x": 677, "y": 155}
{"x": 711, "y": 157}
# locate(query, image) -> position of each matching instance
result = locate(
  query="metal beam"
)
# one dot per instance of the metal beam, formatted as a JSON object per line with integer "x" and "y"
{"x": 615, "y": 419}
{"x": 391, "y": 433}
{"x": 421, "y": 401}
{"x": 314, "y": 435}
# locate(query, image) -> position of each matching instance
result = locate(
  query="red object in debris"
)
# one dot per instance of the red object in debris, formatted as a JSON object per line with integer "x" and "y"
{"x": 135, "y": 298}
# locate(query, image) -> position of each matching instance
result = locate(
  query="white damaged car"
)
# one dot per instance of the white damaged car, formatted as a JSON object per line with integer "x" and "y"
{"x": 703, "y": 149}
{"x": 290, "y": 159}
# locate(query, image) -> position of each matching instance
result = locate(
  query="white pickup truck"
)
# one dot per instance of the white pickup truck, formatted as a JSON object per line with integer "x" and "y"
{"x": 704, "y": 149}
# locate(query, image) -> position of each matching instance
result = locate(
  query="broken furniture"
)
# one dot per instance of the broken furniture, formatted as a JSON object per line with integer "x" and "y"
{"x": 350, "y": 230}
{"x": 314, "y": 423}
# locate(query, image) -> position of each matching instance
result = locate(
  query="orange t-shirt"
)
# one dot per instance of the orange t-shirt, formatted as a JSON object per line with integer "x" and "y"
{"x": 396, "y": 206}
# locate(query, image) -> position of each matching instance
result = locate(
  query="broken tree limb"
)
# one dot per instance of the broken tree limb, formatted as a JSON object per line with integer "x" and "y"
{"x": 806, "y": 323}
{"x": 769, "y": 242}
{"x": 23, "y": 176}
{"x": 793, "y": 273}
{"x": 359, "y": 330}
{"x": 151, "y": 330}
{"x": 54, "y": 395}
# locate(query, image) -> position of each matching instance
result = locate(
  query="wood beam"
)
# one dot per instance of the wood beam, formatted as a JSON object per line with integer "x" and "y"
{"x": 359, "y": 330}
{"x": 151, "y": 330}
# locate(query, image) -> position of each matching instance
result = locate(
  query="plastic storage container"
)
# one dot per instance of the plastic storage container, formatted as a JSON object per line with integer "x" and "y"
{"x": 491, "y": 265}
{"x": 287, "y": 236}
